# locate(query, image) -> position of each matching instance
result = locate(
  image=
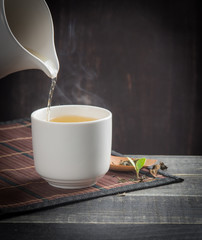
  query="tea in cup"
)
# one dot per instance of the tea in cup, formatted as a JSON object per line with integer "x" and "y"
{"x": 73, "y": 149}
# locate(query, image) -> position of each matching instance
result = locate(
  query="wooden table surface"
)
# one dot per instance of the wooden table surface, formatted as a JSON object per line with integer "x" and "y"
{"x": 168, "y": 212}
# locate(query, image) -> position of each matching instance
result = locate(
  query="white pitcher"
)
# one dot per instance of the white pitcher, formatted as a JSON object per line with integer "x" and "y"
{"x": 27, "y": 37}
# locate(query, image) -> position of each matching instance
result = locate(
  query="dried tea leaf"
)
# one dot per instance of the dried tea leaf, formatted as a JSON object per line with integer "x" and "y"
{"x": 154, "y": 170}
{"x": 121, "y": 180}
{"x": 142, "y": 178}
{"x": 122, "y": 194}
{"x": 133, "y": 180}
{"x": 163, "y": 166}
{"x": 124, "y": 163}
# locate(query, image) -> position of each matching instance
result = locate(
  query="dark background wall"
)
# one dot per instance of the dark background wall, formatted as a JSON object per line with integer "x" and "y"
{"x": 140, "y": 59}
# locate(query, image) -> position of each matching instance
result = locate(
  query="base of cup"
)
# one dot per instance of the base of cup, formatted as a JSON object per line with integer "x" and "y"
{"x": 75, "y": 184}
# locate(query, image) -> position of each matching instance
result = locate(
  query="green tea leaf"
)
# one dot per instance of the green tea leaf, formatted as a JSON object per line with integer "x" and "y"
{"x": 140, "y": 163}
{"x": 132, "y": 162}
{"x": 137, "y": 164}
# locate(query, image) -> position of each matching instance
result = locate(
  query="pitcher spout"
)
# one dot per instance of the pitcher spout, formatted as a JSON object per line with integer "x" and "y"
{"x": 49, "y": 68}
{"x": 27, "y": 37}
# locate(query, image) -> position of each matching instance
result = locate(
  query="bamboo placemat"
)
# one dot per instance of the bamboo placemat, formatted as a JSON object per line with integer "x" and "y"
{"x": 22, "y": 189}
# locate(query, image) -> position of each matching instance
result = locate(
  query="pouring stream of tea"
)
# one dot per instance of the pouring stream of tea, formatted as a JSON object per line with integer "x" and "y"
{"x": 53, "y": 80}
{"x": 50, "y": 96}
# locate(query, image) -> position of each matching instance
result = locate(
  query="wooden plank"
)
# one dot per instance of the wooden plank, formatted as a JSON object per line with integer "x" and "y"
{"x": 190, "y": 187}
{"x": 99, "y": 232}
{"x": 122, "y": 210}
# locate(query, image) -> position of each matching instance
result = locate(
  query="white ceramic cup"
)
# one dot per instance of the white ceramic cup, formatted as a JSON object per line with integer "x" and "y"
{"x": 72, "y": 155}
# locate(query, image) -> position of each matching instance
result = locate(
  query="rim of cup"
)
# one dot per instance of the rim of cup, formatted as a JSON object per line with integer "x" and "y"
{"x": 41, "y": 114}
